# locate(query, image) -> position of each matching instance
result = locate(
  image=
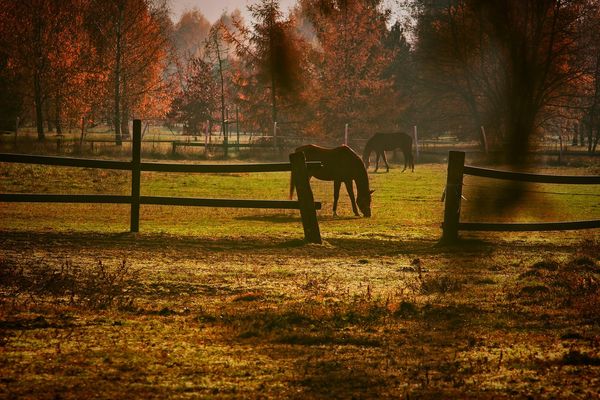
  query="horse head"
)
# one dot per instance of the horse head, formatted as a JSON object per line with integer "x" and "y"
{"x": 363, "y": 201}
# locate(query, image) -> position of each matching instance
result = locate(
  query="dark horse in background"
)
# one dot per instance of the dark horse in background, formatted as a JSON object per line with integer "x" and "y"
{"x": 382, "y": 142}
{"x": 340, "y": 164}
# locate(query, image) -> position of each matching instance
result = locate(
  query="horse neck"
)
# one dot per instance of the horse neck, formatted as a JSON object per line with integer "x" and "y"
{"x": 361, "y": 177}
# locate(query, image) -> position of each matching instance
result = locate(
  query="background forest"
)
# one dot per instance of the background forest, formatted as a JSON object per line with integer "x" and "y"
{"x": 518, "y": 68}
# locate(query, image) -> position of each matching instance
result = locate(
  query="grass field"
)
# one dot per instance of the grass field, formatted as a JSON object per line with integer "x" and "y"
{"x": 229, "y": 303}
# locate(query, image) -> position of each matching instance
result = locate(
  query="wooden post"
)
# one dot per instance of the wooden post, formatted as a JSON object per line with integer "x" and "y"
{"x": 485, "y": 142}
{"x": 275, "y": 134}
{"x": 456, "y": 163}
{"x": 416, "y": 138}
{"x": 308, "y": 213}
{"x": 136, "y": 158}
{"x": 346, "y": 135}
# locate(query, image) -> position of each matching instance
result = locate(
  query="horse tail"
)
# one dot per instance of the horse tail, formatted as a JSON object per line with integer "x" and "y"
{"x": 291, "y": 186}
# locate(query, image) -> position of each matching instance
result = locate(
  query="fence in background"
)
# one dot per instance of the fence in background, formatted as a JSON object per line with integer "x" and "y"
{"x": 297, "y": 165}
{"x": 453, "y": 195}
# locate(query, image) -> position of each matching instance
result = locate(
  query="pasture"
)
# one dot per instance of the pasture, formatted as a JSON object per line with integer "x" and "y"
{"x": 230, "y": 303}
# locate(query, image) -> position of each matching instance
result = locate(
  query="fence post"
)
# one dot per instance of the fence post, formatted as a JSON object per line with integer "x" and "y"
{"x": 456, "y": 163}
{"x": 136, "y": 158}
{"x": 484, "y": 138}
{"x": 416, "y": 138}
{"x": 346, "y": 135}
{"x": 308, "y": 213}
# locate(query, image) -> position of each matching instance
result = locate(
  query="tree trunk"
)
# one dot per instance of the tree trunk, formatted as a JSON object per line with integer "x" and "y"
{"x": 223, "y": 124}
{"x": 125, "y": 134}
{"x": 117, "y": 77}
{"x": 48, "y": 115}
{"x": 39, "y": 114}
{"x": 57, "y": 121}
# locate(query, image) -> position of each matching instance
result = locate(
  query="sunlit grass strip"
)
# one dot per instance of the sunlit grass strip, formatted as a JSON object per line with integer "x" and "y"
{"x": 65, "y": 161}
{"x": 63, "y": 198}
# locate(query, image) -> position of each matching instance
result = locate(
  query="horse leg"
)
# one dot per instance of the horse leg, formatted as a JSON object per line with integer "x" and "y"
{"x": 376, "y": 160}
{"x": 387, "y": 167}
{"x": 405, "y": 159}
{"x": 336, "y": 195}
{"x": 350, "y": 190}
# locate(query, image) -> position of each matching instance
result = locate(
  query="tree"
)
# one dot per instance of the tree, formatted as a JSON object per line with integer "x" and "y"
{"x": 352, "y": 63}
{"x": 271, "y": 57}
{"x": 130, "y": 35}
{"x": 32, "y": 36}
{"x": 190, "y": 33}
{"x": 508, "y": 61}
{"x": 198, "y": 98}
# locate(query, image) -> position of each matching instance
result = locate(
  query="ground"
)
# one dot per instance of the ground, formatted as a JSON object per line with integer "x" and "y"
{"x": 232, "y": 304}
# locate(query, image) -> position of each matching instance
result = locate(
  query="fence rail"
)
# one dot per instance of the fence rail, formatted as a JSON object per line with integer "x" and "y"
{"x": 453, "y": 195}
{"x": 536, "y": 178}
{"x": 298, "y": 166}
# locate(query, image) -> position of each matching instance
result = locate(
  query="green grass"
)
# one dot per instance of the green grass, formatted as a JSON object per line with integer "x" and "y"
{"x": 229, "y": 303}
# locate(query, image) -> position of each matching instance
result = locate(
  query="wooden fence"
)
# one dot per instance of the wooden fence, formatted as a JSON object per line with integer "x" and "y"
{"x": 453, "y": 195}
{"x": 297, "y": 165}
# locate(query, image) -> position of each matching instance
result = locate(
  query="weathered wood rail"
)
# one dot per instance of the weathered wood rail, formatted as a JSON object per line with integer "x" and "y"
{"x": 453, "y": 195}
{"x": 297, "y": 166}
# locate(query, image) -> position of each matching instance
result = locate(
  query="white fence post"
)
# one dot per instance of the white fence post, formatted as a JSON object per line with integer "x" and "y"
{"x": 275, "y": 134}
{"x": 346, "y": 135}
{"x": 416, "y": 138}
{"x": 485, "y": 143}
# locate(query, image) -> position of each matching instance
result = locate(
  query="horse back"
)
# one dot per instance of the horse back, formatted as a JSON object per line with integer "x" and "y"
{"x": 392, "y": 141}
{"x": 338, "y": 163}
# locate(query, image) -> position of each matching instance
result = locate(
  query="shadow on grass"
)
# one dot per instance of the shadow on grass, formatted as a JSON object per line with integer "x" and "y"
{"x": 188, "y": 245}
{"x": 273, "y": 218}
{"x": 282, "y": 218}
{"x": 378, "y": 245}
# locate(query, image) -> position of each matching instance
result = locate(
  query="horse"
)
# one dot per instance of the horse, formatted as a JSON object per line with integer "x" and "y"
{"x": 380, "y": 142}
{"x": 340, "y": 164}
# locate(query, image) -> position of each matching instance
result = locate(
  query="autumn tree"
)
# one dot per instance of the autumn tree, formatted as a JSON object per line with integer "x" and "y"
{"x": 35, "y": 41}
{"x": 198, "y": 98}
{"x": 190, "y": 33}
{"x": 271, "y": 58}
{"x": 130, "y": 35}
{"x": 352, "y": 62}
{"x": 507, "y": 62}
{"x": 589, "y": 120}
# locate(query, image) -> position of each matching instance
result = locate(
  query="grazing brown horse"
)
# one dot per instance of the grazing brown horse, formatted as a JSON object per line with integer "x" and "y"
{"x": 340, "y": 164}
{"x": 380, "y": 142}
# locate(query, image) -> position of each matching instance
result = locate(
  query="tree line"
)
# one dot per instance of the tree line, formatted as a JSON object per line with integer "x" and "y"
{"x": 513, "y": 69}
